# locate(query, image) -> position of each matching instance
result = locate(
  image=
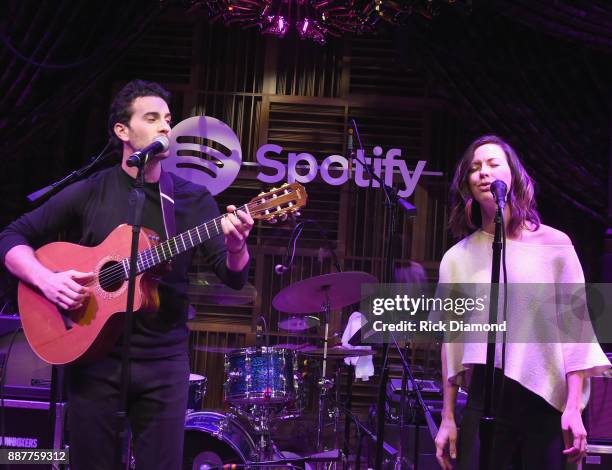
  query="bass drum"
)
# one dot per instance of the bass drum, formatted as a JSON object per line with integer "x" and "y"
{"x": 215, "y": 439}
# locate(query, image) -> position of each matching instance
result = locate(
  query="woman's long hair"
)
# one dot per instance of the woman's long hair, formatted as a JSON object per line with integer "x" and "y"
{"x": 465, "y": 215}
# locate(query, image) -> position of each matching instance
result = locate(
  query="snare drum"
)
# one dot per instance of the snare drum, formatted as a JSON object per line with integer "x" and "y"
{"x": 197, "y": 390}
{"x": 215, "y": 439}
{"x": 259, "y": 376}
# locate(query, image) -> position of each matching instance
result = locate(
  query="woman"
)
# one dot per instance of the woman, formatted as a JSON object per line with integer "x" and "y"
{"x": 546, "y": 384}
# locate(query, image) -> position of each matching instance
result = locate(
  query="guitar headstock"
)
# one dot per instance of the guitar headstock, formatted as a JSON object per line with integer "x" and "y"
{"x": 278, "y": 203}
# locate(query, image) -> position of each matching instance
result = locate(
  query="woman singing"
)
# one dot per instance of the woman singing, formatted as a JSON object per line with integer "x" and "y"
{"x": 546, "y": 384}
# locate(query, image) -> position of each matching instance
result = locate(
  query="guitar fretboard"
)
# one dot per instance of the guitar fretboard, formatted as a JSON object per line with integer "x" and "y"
{"x": 174, "y": 246}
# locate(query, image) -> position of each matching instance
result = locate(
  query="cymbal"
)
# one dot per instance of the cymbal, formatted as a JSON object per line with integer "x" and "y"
{"x": 298, "y": 323}
{"x": 310, "y": 295}
{"x": 207, "y": 288}
{"x": 337, "y": 352}
{"x": 215, "y": 349}
{"x": 226, "y": 350}
{"x": 291, "y": 346}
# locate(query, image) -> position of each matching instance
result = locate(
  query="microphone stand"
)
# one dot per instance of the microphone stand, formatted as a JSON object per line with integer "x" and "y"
{"x": 41, "y": 194}
{"x": 487, "y": 421}
{"x": 295, "y": 235}
{"x": 259, "y": 337}
{"x": 136, "y": 203}
{"x": 431, "y": 424}
{"x": 392, "y": 201}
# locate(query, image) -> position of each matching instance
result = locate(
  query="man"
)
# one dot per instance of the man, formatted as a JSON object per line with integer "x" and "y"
{"x": 159, "y": 368}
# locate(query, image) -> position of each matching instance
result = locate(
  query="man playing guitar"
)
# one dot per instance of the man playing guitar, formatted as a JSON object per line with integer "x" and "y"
{"x": 159, "y": 368}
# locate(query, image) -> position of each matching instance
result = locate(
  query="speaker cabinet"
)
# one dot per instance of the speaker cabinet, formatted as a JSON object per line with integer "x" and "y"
{"x": 27, "y": 376}
{"x": 27, "y": 425}
{"x": 599, "y": 410}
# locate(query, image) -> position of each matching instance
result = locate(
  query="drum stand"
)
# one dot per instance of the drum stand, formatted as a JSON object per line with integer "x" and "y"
{"x": 260, "y": 416}
{"x": 326, "y": 384}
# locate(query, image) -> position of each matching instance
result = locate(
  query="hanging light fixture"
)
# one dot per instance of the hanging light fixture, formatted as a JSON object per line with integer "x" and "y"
{"x": 316, "y": 20}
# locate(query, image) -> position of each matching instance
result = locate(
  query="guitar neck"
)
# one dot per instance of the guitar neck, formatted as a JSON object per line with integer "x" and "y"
{"x": 174, "y": 246}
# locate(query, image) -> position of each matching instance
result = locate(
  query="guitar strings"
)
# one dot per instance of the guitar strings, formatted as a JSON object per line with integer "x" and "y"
{"x": 116, "y": 273}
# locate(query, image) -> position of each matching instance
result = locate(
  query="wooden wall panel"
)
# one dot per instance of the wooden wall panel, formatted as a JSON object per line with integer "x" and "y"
{"x": 164, "y": 54}
{"x": 307, "y": 69}
{"x": 376, "y": 70}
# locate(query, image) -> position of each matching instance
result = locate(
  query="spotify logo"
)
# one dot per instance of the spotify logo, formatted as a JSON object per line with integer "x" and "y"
{"x": 216, "y": 168}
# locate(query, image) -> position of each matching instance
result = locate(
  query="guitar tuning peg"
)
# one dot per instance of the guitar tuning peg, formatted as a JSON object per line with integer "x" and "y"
{"x": 284, "y": 184}
{"x": 272, "y": 220}
{"x": 261, "y": 193}
{"x": 283, "y": 217}
{"x": 297, "y": 213}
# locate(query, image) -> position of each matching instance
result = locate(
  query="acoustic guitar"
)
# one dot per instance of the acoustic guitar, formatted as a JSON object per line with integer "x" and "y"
{"x": 64, "y": 337}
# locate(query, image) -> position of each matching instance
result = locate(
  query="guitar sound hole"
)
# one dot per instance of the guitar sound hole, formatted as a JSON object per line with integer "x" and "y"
{"x": 111, "y": 276}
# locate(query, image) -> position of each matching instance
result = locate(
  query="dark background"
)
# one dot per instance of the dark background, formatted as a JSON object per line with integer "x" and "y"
{"x": 536, "y": 72}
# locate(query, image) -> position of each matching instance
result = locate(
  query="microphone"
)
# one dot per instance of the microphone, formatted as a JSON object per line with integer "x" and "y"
{"x": 499, "y": 188}
{"x": 160, "y": 144}
{"x": 280, "y": 269}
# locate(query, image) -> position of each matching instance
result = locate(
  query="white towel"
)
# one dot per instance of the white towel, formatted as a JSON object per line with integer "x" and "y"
{"x": 364, "y": 367}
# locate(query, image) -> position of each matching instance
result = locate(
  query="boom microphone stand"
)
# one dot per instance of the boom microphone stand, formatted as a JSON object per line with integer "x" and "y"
{"x": 392, "y": 201}
{"x": 46, "y": 192}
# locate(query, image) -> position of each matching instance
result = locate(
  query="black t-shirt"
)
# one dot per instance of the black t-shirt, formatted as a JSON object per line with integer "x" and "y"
{"x": 96, "y": 206}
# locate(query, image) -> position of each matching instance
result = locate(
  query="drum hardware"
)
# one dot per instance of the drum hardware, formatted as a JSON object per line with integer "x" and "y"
{"x": 197, "y": 390}
{"x": 325, "y": 385}
{"x": 266, "y": 383}
{"x": 262, "y": 384}
{"x": 215, "y": 349}
{"x": 296, "y": 324}
{"x": 259, "y": 385}
{"x": 259, "y": 418}
{"x": 324, "y": 293}
{"x": 332, "y": 408}
{"x": 293, "y": 346}
{"x": 337, "y": 352}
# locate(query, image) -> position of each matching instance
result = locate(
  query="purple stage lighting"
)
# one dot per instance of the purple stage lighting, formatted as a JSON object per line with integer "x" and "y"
{"x": 276, "y": 25}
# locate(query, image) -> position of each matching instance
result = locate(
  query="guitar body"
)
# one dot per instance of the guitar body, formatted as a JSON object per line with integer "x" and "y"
{"x": 64, "y": 337}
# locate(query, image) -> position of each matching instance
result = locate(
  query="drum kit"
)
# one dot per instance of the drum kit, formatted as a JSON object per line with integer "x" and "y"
{"x": 270, "y": 384}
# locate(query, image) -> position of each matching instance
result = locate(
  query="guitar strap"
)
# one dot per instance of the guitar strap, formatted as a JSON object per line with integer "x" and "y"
{"x": 166, "y": 193}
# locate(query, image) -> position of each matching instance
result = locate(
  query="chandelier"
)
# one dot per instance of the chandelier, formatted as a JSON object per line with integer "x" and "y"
{"x": 316, "y": 20}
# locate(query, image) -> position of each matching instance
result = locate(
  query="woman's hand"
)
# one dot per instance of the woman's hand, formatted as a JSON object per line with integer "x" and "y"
{"x": 447, "y": 436}
{"x": 574, "y": 435}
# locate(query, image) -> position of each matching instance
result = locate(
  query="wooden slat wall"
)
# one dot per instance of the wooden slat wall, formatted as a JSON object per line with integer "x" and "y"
{"x": 302, "y": 96}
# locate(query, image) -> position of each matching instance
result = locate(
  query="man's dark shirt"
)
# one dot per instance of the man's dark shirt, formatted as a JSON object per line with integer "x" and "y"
{"x": 99, "y": 204}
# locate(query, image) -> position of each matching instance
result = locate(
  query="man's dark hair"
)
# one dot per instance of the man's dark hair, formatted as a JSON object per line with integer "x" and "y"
{"x": 121, "y": 107}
